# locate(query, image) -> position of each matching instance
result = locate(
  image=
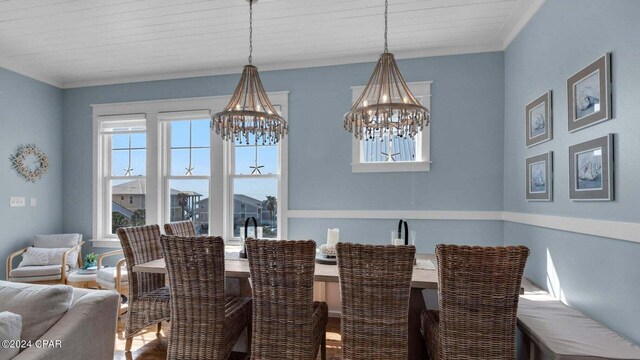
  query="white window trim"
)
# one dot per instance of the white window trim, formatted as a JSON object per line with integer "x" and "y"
{"x": 220, "y": 212}
{"x": 420, "y": 89}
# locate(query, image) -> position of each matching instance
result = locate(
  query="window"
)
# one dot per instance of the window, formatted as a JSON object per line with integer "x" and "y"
{"x": 123, "y": 180}
{"x": 254, "y": 179}
{"x": 162, "y": 163}
{"x": 390, "y": 154}
{"x": 188, "y": 167}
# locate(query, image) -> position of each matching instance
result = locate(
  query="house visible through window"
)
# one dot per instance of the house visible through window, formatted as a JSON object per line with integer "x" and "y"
{"x": 255, "y": 186}
{"x": 123, "y": 139}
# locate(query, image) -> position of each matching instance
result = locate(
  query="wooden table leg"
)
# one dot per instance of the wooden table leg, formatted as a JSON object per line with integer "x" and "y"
{"x": 238, "y": 287}
{"x": 245, "y": 287}
{"x": 417, "y": 350}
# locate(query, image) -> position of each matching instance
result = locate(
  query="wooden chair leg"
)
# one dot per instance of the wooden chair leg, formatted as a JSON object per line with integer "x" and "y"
{"x": 159, "y": 327}
{"x": 323, "y": 346}
{"x": 249, "y": 329}
{"x": 127, "y": 345}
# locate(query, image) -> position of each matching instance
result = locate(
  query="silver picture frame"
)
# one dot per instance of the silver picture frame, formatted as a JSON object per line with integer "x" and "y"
{"x": 591, "y": 170}
{"x": 539, "y": 120}
{"x": 539, "y": 181}
{"x": 589, "y": 94}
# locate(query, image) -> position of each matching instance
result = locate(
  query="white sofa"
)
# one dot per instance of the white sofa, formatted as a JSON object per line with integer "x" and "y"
{"x": 81, "y": 323}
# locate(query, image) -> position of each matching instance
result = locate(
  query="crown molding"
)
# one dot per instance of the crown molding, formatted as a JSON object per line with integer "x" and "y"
{"x": 30, "y": 73}
{"x": 518, "y": 19}
{"x": 291, "y": 65}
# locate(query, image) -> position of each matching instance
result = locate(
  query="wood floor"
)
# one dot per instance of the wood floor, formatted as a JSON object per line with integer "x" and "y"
{"x": 149, "y": 346}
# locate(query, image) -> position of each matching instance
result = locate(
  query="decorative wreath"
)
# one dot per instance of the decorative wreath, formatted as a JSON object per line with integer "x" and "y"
{"x": 17, "y": 162}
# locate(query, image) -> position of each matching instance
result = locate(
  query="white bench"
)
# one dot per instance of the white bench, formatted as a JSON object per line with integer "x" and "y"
{"x": 552, "y": 330}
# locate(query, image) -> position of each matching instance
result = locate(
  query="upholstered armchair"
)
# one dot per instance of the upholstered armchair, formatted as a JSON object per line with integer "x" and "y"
{"x": 48, "y": 261}
{"x": 113, "y": 277}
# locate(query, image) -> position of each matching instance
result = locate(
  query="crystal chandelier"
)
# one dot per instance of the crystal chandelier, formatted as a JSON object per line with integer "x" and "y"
{"x": 386, "y": 105}
{"x": 249, "y": 111}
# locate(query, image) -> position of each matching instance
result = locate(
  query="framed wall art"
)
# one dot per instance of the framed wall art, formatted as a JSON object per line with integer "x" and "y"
{"x": 589, "y": 94}
{"x": 540, "y": 177}
{"x": 539, "y": 120}
{"x": 591, "y": 167}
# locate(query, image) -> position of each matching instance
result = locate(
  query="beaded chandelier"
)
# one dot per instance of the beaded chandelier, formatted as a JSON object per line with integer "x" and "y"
{"x": 249, "y": 111}
{"x": 386, "y": 106}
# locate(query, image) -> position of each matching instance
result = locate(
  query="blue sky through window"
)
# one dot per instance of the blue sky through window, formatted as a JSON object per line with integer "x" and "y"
{"x": 199, "y": 140}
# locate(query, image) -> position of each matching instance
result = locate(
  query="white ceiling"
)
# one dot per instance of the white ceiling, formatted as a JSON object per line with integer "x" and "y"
{"x": 71, "y": 43}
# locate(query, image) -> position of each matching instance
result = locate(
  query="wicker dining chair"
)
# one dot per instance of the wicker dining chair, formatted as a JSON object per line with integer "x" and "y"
{"x": 180, "y": 228}
{"x": 375, "y": 284}
{"x": 478, "y": 291}
{"x": 148, "y": 295}
{"x": 287, "y": 323}
{"x": 205, "y": 324}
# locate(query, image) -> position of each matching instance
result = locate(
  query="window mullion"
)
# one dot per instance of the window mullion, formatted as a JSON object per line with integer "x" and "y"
{"x": 154, "y": 170}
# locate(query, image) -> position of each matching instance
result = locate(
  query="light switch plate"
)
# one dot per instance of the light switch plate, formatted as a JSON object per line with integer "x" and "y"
{"x": 16, "y": 201}
{"x": 34, "y": 202}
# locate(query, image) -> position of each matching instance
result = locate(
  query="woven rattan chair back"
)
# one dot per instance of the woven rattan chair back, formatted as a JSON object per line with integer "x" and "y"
{"x": 282, "y": 282}
{"x": 180, "y": 228}
{"x": 195, "y": 267}
{"x": 141, "y": 244}
{"x": 478, "y": 299}
{"x": 375, "y": 284}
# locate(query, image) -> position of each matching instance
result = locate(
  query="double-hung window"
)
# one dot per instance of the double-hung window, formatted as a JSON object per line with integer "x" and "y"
{"x": 394, "y": 154}
{"x": 255, "y": 182}
{"x": 187, "y": 168}
{"x": 122, "y": 141}
{"x": 162, "y": 163}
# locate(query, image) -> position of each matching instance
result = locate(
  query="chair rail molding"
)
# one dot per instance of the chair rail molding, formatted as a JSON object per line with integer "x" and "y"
{"x": 618, "y": 230}
{"x": 395, "y": 214}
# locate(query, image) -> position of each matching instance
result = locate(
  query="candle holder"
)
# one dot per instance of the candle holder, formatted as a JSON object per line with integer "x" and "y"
{"x": 257, "y": 232}
{"x": 403, "y": 236}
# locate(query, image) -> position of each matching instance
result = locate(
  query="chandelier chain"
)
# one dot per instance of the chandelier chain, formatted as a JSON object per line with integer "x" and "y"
{"x": 250, "y": 31}
{"x": 386, "y": 21}
{"x": 249, "y": 113}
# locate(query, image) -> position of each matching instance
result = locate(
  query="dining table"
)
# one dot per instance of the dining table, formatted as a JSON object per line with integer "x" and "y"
{"x": 237, "y": 273}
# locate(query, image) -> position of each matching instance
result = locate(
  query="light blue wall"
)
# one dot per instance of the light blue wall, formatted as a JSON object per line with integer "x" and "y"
{"x": 30, "y": 113}
{"x": 467, "y": 136}
{"x": 597, "y": 275}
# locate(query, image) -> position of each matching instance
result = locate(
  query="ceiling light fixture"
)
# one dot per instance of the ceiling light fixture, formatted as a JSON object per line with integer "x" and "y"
{"x": 386, "y": 106}
{"x": 249, "y": 111}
